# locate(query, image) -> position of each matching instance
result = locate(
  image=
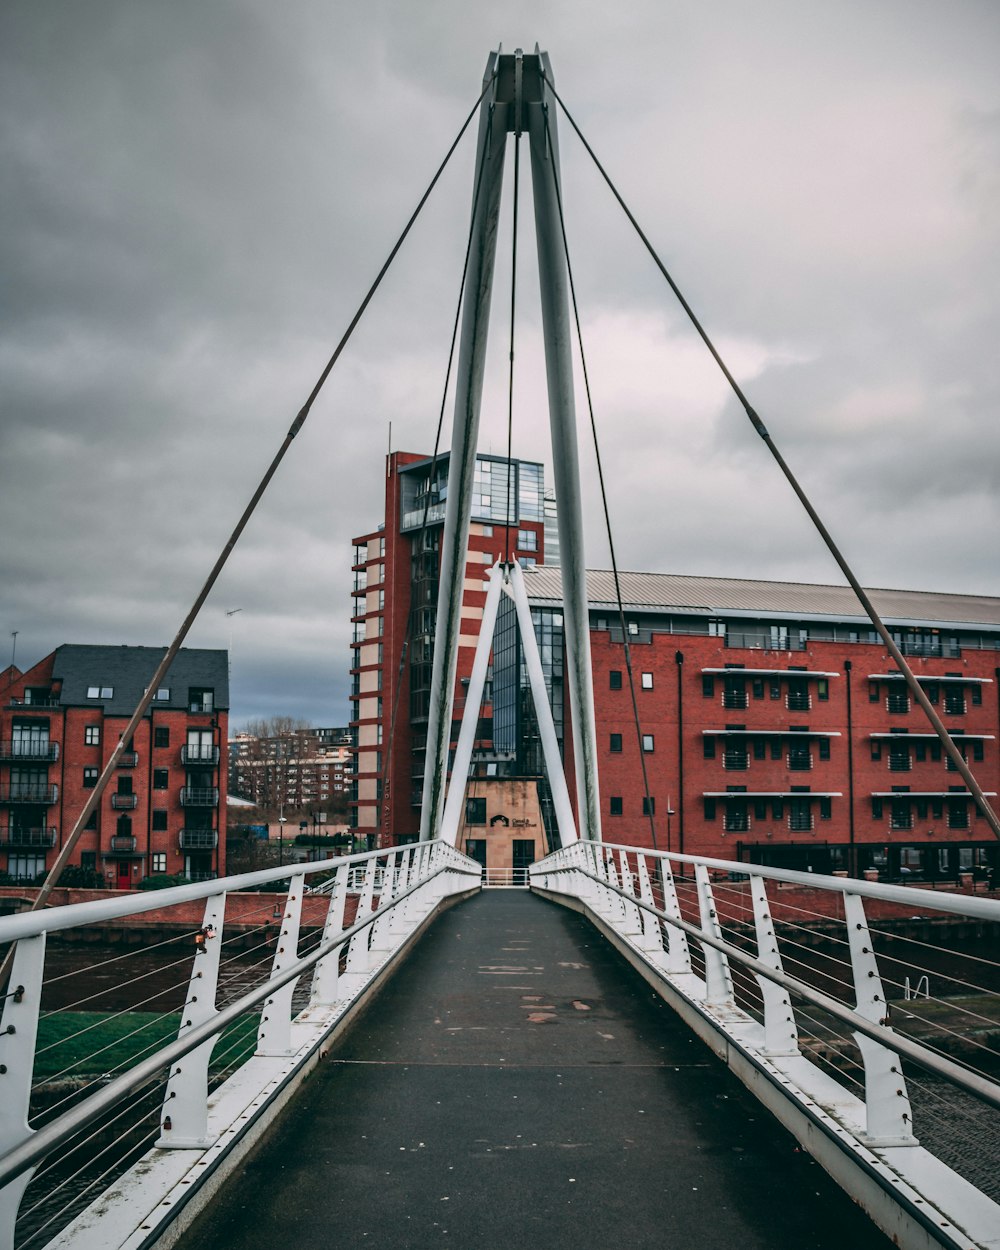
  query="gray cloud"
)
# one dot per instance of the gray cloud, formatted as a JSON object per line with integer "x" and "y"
{"x": 196, "y": 197}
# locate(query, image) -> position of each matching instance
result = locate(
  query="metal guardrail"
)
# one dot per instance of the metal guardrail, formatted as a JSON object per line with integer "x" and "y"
{"x": 789, "y": 969}
{"x": 399, "y": 889}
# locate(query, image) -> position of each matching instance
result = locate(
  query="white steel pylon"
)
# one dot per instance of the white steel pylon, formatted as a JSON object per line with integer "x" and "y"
{"x": 518, "y": 99}
{"x": 507, "y": 579}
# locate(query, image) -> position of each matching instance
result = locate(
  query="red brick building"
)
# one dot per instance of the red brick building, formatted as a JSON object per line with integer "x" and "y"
{"x": 776, "y": 730}
{"x": 395, "y": 600}
{"x": 162, "y": 812}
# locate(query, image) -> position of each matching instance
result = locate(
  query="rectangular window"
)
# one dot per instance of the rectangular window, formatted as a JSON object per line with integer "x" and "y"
{"x": 615, "y": 802}
{"x": 161, "y": 736}
{"x": 92, "y": 736}
{"x": 161, "y": 778}
{"x": 954, "y": 701}
{"x": 898, "y": 700}
{"x": 100, "y": 692}
{"x": 824, "y": 748}
{"x": 823, "y": 688}
{"x": 648, "y": 805}
{"x": 647, "y": 743}
{"x": 737, "y": 817}
{"x": 774, "y": 688}
{"x": 475, "y": 811}
{"x": 876, "y": 809}
{"x": 775, "y": 748}
{"x": 159, "y": 820}
{"x": 757, "y": 686}
{"x": 759, "y": 748}
{"x": 734, "y": 692}
{"x": 899, "y": 757}
{"x": 201, "y": 699}
{"x": 799, "y": 757}
{"x": 799, "y": 815}
{"x": 873, "y": 692}
{"x": 825, "y": 808}
{"x": 708, "y": 746}
{"x": 707, "y": 685}
{"x": 647, "y": 681}
{"x": 616, "y": 744}
{"x": 615, "y": 679}
{"x": 89, "y": 778}
{"x": 735, "y": 754}
{"x": 709, "y": 809}
{"x": 158, "y": 861}
{"x": 527, "y": 540}
{"x": 124, "y": 785}
{"x": 977, "y": 696}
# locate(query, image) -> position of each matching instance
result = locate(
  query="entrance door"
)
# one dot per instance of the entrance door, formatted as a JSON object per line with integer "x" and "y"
{"x": 475, "y": 848}
{"x": 524, "y": 854}
{"x": 123, "y": 875}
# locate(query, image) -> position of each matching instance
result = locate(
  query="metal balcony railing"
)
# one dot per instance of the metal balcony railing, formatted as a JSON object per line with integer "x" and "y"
{"x": 798, "y": 700}
{"x": 33, "y": 703}
{"x": 128, "y": 759}
{"x": 124, "y": 802}
{"x": 122, "y": 843}
{"x": 200, "y": 754}
{"x": 199, "y": 796}
{"x": 40, "y": 752}
{"x": 25, "y": 792}
{"x": 199, "y": 839}
{"x": 17, "y": 838}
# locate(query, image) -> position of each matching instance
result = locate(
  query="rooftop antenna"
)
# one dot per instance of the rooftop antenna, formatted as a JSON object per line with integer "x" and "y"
{"x": 13, "y": 646}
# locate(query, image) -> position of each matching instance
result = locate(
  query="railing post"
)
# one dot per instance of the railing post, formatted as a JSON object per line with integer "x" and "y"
{"x": 780, "y": 1034}
{"x": 631, "y": 914}
{"x": 652, "y": 938}
{"x": 889, "y": 1116}
{"x": 274, "y": 1036}
{"x": 184, "y": 1123}
{"x": 326, "y": 974}
{"x": 18, "y": 1034}
{"x": 718, "y": 978}
{"x": 678, "y": 951}
{"x": 358, "y": 961}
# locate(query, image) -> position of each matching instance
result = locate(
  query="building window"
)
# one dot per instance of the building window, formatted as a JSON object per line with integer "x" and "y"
{"x": 954, "y": 701}
{"x": 873, "y": 694}
{"x": 958, "y": 814}
{"x": 647, "y": 743}
{"x": 615, "y": 679}
{"x": 737, "y": 817}
{"x": 734, "y": 757}
{"x": 876, "y": 749}
{"x": 799, "y": 815}
{"x": 757, "y": 686}
{"x": 100, "y": 692}
{"x": 158, "y": 861}
{"x": 774, "y": 687}
{"x": 709, "y": 809}
{"x": 89, "y": 778}
{"x": 527, "y": 540}
{"x": 648, "y": 805}
{"x": 161, "y": 778}
{"x": 799, "y": 757}
{"x": 201, "y": 699}
{"x": 898, "y": 701}
{"x": 159, "y": 820}
{"x": 735, "y": 692}
{"x": 475, "y": 811}
{"x": 899, "y": 757}
{"x": 823, "y": 689}
{"x": 161, "y": 736}
{"x": 615, "y": 805}
{"x": 707, "y": 686}
{"x": 708, "y": 746}
{"x": 824, "y": 748}
{"x": 977, "y": 696}
{"x": 616, "y": 744}
{"x": 92, "y": 736}
{"x": 647, "y": 681}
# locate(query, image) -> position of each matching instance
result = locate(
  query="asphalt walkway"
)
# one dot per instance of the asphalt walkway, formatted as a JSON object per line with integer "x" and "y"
{"x": 518, "y": 1084}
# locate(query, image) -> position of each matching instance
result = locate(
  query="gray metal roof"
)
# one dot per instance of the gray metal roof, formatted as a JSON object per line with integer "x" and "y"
{"x": 730, "y": 596}
{"x": 128, "y": 670}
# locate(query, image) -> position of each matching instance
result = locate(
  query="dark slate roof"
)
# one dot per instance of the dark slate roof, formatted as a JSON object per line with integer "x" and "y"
{"x": 728, "y": 596}
{"x": 128, "y": 670}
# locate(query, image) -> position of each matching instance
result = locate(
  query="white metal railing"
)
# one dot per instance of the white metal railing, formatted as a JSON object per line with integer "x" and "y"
{"x": 220, "y": 985}
{"x": 809, "y": 979}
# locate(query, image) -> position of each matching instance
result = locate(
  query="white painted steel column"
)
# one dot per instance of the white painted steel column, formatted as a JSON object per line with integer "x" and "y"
{"x": 780, "y": 1034}
{"x": 554, "y": 286}
{"x": 543, "y": 712}
{"x": 451, "y": 821}
{"x": 468, "y": 398}
{"x": 20, "y": 1032}
{"x": 718, "y": 978}
{"x": 326, "y": 972}
{"x": 890, "y": 1118}
{"x": 678, "y": 951}
{"x": 274, "y": 1036}
{"x": 184, "y": 1124}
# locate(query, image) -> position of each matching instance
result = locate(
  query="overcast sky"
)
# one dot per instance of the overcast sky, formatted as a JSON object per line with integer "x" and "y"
{"x": 197, "y": 194}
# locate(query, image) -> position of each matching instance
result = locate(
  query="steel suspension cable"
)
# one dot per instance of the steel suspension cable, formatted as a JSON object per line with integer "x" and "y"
{"x": 604, "y": 494}
{"x": 109, "y": 769}
{"x": 975, "y": 790}
{"x": 408, "y": 633}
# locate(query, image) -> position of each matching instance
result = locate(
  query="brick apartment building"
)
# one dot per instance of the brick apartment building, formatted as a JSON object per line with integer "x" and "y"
{"x": 774, "y": 726}
{"x": 395, "y": 598}
{"x": 296, "y": 771}
{"x": 162, "y": 812}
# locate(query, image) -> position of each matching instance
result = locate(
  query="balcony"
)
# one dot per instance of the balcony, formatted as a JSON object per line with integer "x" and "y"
{"x": 16, "y": 839}
{"x": 23, "y": 792}
{"x": 798, "y": 700}
{"x": 122, "y": 844}
{"x": 128, "y": 759}
{"x": 32, "y": 704}
{"x": 199, "y": 796}
{"x": 734, "y": 699}
{"x": 199, "y": 839}
{"x": 736, "y": 760}
{"x": 124, "y": 802}
{"x": 38, "y": 752}
{"x": 200, "y": 754}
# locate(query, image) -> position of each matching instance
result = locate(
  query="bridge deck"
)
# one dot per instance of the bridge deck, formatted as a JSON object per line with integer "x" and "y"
{"x": 518, "y": 1083}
